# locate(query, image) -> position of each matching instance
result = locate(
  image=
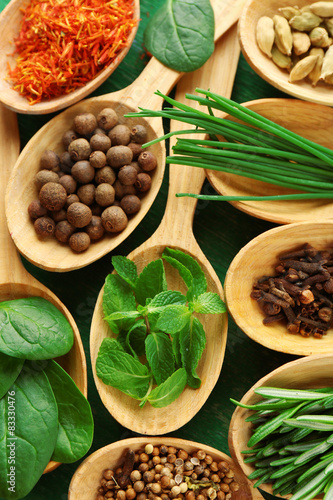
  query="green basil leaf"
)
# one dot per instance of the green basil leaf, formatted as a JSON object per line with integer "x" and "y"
{"x": 151, "y": 281}
{"x": 160, "y": 356}
{"x": 192, "y": 343}
{"x": 181, "y": 34}
{"x": 174, "y": 318}
{"x": 126, "y": 269}
{"x": 9, "y": 371}
{"x": 118, "y": 296}
{"x": 33, "y": 328}
{"x": 120, "y": 370}
{"x": 209, "y": 303}
{"x": 76, "y": 425}
{"x": 28, "y": 431}
{"x": 168, "y": 391}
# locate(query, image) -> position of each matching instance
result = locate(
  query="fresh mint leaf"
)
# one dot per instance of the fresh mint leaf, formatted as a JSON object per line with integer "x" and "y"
{"x": 126, "y": 269}
{"x": 116, "y": 316}
{"x": 176, "y": 349}
{"x": 183, "y": 271}
{"x": 9, "y": 371}
{"x": 33, "y": 328}
{"x": 135, "y": 339}
{"x": 192, "y": 343}
{"x": 120, "y": 370}
{"x": 168, "y": 391}
{"x": 181, "y": 34}
{"x": 174, "y": 318}
{"x": 160, "y": 356}
{"x": 118, "y": 296}
{"x": 151, "y": 281}
{"x": 209, "y": 303}
{"x": 158, "y": 304}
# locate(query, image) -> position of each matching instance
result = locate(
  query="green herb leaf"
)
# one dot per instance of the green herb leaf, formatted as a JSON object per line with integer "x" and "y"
{"x": 76, "y": 425}
{"x": 168, "y": 391}
{"x": 135, "y": 338}
{"x": 181, "y": 34}
{"x": 118, "y": 296}
{"x": 160, "y": 356}
{"x": 192, "y": 342}
{"x": 120, "y": 370}
{"x": 151, "y": 281}
{"x": 158, "y": 304}
{"x": 118, "y": 315}
{"x": 9, "y": 371}
{"x": 176, "y": 349}
{"x": 31, "y": 435}
{"x": 174, "y": 318}
{"x": 126, "y": 269}
{"x": 33, "y": 328}
{"x": 209, "y": 303}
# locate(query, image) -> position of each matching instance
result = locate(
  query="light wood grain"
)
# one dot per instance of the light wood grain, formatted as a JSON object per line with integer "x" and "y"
{"x": 15, "y": 281}
{"x": 176, "y": 231}
{"x": 310, "y": 120}
{"x": 305, "y": 373}
{"x": 258, "y": 258}
{"x": 263, "y": 65}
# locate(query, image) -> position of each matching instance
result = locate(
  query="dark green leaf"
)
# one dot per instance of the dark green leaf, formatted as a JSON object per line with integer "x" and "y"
{"x": 151, "y": 281}
{"x": 183, "y": 271}
{"x": 181, "y": 34}
{"x": 135, "y": 338}
{"x": 192, "y": 343}
{"x": 28, "y": 430}
{"x": 166, "y": 393}
{"x": 176, "y": 349}
{"x": 174, "y": 318}
{"x": 9, "y": 371}
{"x": 76, "y": 426}
{"x": 118, "y": 296}
{"x": 126, "y": 269}
{"x": 119, "y": 315}
{"x": 268, "y": 496}
{"x": 209, "y": 303}
{"x": 120, "y": 370}
{"x": 33, "y": 328}
{"x": 160, "y": 302}
{"x": 160, "y": 356}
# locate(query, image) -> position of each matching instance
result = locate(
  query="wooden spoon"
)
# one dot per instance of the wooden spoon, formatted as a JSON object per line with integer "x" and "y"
{"x": 15, "y": 281}
{"x": 175, "y": 231}
{"x": 50, "y": 254}
{"x": 10, "y": 20}
{"x": 87, "y": 477}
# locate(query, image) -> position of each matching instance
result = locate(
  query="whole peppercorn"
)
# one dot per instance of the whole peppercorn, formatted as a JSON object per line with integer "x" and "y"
{"x": 120, "y": 135}
{"x": 53, "y": 196}
{"x": 79, "y": 214}
{"x": 107, "y": 118}
{"x": 63, "y": 231}
{"x": 104, "y": 194}
{"x": 66, "y": 162}
{"x": 83, "y": 172}
{"x": 135, "y": 148}
{"x": 84, "y": 123}
{"x": 117, "y": 156}
{"x": 69, "y": 183}
{"x": 139, "y": 134}
{"x": 143, "y": 182}
{"x": 36, "y": 209}
{"x": 147, "y": 161}
{"x": 86, "y": 194}
{"x": 100, "y": 142}
{"x": 127, "y": 175}
{"x": 68, "y": 137}
{"x": 44, "y": 176}
{"x": 79, "y": 242}
{"x": 44, "y": 226}
{"x": 114, "y": 219}
{"x": 97, "y": 159}
{"x": 105, "y": 174}
{"x": 79, "y": 149}
{"x": 49, "y": 160}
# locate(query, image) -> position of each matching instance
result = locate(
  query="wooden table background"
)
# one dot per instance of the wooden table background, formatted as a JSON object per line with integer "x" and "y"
{"x": 221, "y": 231}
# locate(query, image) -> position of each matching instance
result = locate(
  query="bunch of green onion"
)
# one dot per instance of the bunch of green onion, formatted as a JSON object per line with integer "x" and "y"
{"x": 256, "y": 148}
{"x": 291, "y": 445}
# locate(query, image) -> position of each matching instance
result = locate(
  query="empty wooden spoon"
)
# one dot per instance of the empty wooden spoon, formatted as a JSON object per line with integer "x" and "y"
{"x": 15, "y": 281}
{"x": 175, "y": 231}
{"x": 10, "y": 19}
{"x": 49, "y": 254}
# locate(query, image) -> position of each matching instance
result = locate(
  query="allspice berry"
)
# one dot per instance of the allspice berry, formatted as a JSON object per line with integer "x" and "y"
{"x": 86, "y": 194}
{"x": 143, "y": 182}
{"x": 44, "y": 176}
{"x": 71, "y": 198}
{"x": 117, "y": 156}
{"x": 131, "y": 204}
{"x": 59, "y": 215}
{"x": 100, "y": 142}
{"x": 105, "y": 174}
{"x": 49, "y": 160}
{"x": 66, "y": 162}
{"x": 84, "y": 123}
{"x": 107, "y": 118}
{"x": 135, "y": 148}
{"x": 69, "y": 183}
{"x": 36, "y": 209}
{"x": 104, "y": 194}
{"x": 114, "y": 219}
{"x": 95, "y": 228}
{"x": 147, "y": 161}
{"x": 79, "y": 242}
{"x": 63, "y": 231}
{"x": 139, "y": 134}
{"x": 97, "y": 159}
{"x": 79, "y": 149}
{"x": 121, "y": 190}
{"x": 53, "y": 196}
{"x": 127, "y": 175}
{"x": 83, "y": 172}
{"x": 120, "y": 135}
{"x": 79, "y": 214}
{"x": 68, "y": 137}
{"x": 44, "y": 226}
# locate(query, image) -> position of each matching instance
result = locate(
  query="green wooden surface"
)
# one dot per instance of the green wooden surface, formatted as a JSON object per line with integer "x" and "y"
{"x": 221, "y": 232}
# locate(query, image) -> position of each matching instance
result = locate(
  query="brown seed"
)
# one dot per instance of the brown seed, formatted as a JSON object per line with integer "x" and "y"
{"x": 72, "y": 198}
{"x": 84, "y": 123}
{"x": 86, "y": 194}
{"x": 59, "y": 215}
{"x": 120, "y": 135}
{"x": 79, "y": 214}
{"x": 83, "y": 172}
{"x": 36, "y": 209}
{"x": 107, "y": 118}
{"x": 97, "y": 159}
{"x": 79, "y": 242}
{"x": 63, "y": 231}
{"x": 100, "y": 142}
{"x": 139, "y": 134}
{"x": 147, "y": 161}
{"x": 127, "y": 175}
{"x": 68, "y": 137}
{"x": 105, "y": 174}
{"x": 52, "y": 196}
{"x": 49, "y": 160}
{"x": 104, "y": 194}
{"x": 44, "y": 176}
{"x": 143, "y": 182}
{"x": 117, "y": 156}
{"x": 114, "y": 220}
{"x": 130, "y": 494}
{"x": 69, "y": 183}
{"x": 66, "y": 162}
{"x": 136, "y": 149}
{"x": 79, "y": 149}
{"x": 44, "y": 226}
{"x": 95, "y": 228}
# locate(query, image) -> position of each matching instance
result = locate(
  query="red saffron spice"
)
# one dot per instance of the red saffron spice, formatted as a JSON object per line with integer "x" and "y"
{"x": 63, "y": 44}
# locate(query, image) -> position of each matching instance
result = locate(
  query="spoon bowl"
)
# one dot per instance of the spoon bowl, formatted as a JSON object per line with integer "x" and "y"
{"x": 10, "y": 19}
{"x": 310, "y": 120}
{"x": 263, "y": 65}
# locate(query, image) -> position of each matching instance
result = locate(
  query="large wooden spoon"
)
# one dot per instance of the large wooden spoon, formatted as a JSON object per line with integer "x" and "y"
{"x": 15, "y": 281}
{"x": 175, "y": 231}
{"x": 50, "y": 254}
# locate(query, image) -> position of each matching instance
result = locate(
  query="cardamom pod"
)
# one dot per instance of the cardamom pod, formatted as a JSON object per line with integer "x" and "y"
{"x": 322, "y": 9}
{"x": 319, "y": 37}
{"x": 280, "y": 59}
{"x": 327, "y": 67}
{"x": 314, "y": 74}
{"x": 265, "y": 35}
{"x": 302, "y": 68}
{"x": 305, "y": 22}
{"x": 301, "y": 42}
{"x": 283, "y": 36}
{"x": 289, "y": 12}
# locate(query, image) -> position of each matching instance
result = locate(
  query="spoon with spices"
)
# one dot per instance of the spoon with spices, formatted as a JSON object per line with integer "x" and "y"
{"x": 175, "y": 231}
{"x": 48, "y": 253}
{"x": 15, "y": 281}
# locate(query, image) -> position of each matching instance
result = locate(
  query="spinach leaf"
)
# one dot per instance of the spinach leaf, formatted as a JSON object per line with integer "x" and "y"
{"x": 166, "y": 393}
{"x": 118, "y": 296}
{"x": 9, "y": 371}
{"x": 76, "y": 426}
{"x": 160, "y": 356}
{"x": 33, "y": 328}
{"x": 126, "y": 269}
{"x": 192, "y": 343}
{"x": 119, "y": 369}
{"x": 181, "y": 34}
{"x": 209, "y": 303}
{"x": 28, "y": 431}
{"x": 151, "y": 281}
